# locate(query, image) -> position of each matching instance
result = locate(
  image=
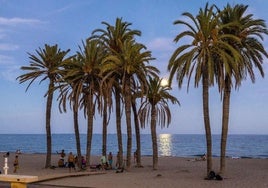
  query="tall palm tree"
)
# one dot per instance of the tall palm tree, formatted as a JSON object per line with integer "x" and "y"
{"x": 113, "y": 37}
{"x": 137, "y": 92}
{"x": 104, "y": 127}
{"x": 130, "y": 65}
{"x": 106, "y": 111}
{"x": 85, "y": 75}
{"x": 248, "y": 30}
{"x": 198, "y": 57}
{"x": 69, "y": 93}
{"x": 44, "y": 66}
{"x": 135, "y": 95}
{"x": 92, "y": 57}
{"x": 137, "y": 133}
{"x": 156, "y": 108}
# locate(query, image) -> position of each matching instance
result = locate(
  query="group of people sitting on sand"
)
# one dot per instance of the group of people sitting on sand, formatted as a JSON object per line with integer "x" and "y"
{"x": 105, "y": 163}
{"x": 71, "y": 160}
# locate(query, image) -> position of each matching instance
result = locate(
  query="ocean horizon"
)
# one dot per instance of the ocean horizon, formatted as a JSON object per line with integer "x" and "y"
{"x": 176, "y": 145}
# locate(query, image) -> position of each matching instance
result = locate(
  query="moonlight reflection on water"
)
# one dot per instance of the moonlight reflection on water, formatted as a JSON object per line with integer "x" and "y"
{"x": 165, "y": 144}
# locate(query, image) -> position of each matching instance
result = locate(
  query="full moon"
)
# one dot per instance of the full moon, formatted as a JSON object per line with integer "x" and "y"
{"x": 164, "y": 82}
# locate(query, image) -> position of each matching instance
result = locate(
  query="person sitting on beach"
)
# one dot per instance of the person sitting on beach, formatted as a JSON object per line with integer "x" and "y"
{"x": 61, "y": 162}
{"x": 6, "y": 155}
{"x": 83, "y": 163}
{"x": 103, "y": 162}
{"x": 202, "y": 158}
{"x": 71, "y": 161}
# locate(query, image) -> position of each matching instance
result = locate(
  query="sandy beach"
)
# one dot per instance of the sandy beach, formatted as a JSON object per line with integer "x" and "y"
{"x": 172, "y": 172}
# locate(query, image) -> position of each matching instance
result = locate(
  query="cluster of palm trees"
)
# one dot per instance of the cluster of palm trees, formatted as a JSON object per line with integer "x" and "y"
{"x": 225, "y": 47}
{"x": 112, "y": 70}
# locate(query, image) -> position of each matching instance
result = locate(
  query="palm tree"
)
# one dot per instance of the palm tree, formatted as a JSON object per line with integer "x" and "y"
{"x": 104, "y": 127}
{"x": 45, "y": 66}
{"x": 135, "y": 95}
{"x": 85, "y": 76}
{"x": 69, "y": 93}
{"x": 106, "y": 111}
{"x": 156, "y": 108}
{"x": 248, "y": 30}
{"x": 130, "y": 65}
{"x": 113, "y": 37}
{"x": 199, "y": 57}
{"x": 91, "y": 57}
{"x": 137, "y": 92}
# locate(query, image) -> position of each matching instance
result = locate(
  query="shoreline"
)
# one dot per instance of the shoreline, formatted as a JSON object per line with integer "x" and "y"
{"x": 160, "y": 156}
{"x": 172, "y": 172}
{"x": 145, "y": 156}
{"x": 168, "y": 145}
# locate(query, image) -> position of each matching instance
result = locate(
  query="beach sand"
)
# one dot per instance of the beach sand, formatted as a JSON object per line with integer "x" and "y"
{"x": 172, "y": 172}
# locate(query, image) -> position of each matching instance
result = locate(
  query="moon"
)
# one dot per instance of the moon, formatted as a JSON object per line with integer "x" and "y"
{"x": 164, "y": 82}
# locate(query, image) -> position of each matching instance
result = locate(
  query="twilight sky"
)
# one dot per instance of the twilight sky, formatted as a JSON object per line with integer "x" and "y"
{"x": 27, "y": 25}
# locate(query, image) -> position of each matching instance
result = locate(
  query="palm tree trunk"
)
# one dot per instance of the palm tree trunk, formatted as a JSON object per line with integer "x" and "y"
{"x": 207, "y": 120}
{"x": 104, "y": 129}
{"x": 77, "y": 135}
{"x": 118, "y": 128}
{"x": 90, "y": 114}
{"x": 154, "y": 137}
{"x": 137, "y": 131}
{"x": 48, "y": 126}
{"x": 225, "y": 121}
{"x": 127, "y": 97}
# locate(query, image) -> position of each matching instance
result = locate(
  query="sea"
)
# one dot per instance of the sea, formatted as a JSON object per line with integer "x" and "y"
{"x": 179, "y": 145}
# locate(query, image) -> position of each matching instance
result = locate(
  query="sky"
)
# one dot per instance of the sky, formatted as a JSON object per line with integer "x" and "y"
{"x": 28, "y": 25}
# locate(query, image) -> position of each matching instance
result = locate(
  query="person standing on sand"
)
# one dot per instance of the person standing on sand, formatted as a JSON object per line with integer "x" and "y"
{"x": 110, "y": 160}
{"x": 16, "y": 164}
{"x": 71, "y": 161}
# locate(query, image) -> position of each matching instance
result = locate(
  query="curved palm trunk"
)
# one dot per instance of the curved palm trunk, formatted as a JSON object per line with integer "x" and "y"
{"x": 128, "y": 120}
{"x": 48, "y": 127}
{"x": 137, "y": 131}
{"x": 90, "y": 114}
{"x": 118, "y": 128}
{"x": 154, "y": 137}
{"x": 104, "y": 129}
{"x": 207, "y": 120}
{"x": 225, "y": 121}
{"x": 77, "y": 135}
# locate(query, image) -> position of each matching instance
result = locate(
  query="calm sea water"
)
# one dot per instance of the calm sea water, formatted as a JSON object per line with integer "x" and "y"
{"x": 249, "y": 146}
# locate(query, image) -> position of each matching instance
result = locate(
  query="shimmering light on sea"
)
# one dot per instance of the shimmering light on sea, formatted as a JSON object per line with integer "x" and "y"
{"x": 165, "y": 144}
